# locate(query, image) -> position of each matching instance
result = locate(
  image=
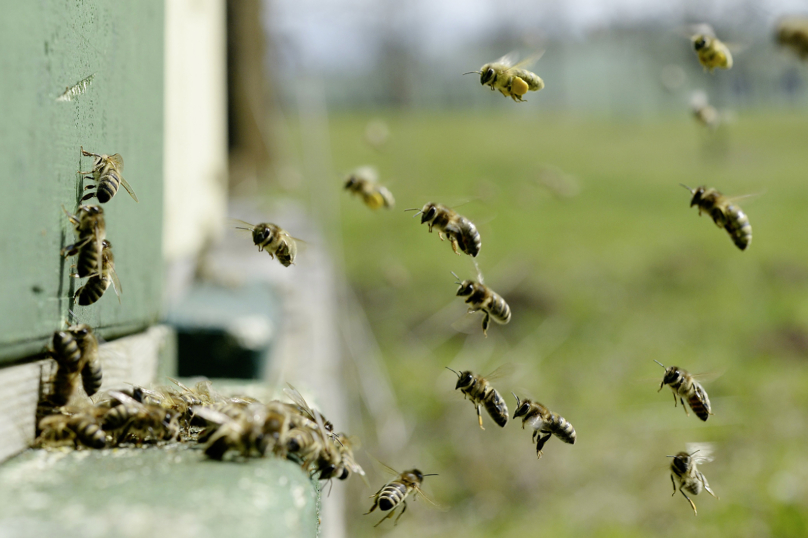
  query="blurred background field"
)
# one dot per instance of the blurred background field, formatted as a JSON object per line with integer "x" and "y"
{"x": 602, "y": 279}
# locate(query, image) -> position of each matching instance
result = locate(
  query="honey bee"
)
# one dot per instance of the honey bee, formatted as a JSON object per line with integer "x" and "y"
{"x": 685, "y": 473}
{"x": 275, "y": 240}
{"x": 345, "y": 446}
{"x": 90, "y": 228}
{"x": 396, "y": 491}
{"x": 512, "y": 80}
{"x": 140, "y": 422}
{"x": 244, "y": 434}
{"x": 71, "y": 429}
{"x": 725, "y": 214}
{"x": 684, "y": 385}
{"x": 481, "y": 393}
{"x": 481, "y": 297}
{"x": 97, "y": 284}
{"x": 107, "y": 172}
{"x": 542, "y": 420}
{"x": 313, "y": 416}
{"x": 792, "y": 32}
{"x": 364, "y": 182}
{"x": 75, "y": 351}
{"x": 461, "y": 231}
{"x": 704, "y": 113}
{"x": 712, "y": 53}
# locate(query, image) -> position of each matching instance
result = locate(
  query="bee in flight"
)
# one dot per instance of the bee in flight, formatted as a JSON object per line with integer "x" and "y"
{"x": 107, "y": 172}
{"x": 481, "y": 297}
{"x": 461, "y": 231}
{"x": 543, "y": 421}
{"x": 685, "y": 474}
{"x": 512, "y": 80}
{"x": 724, "y": 212}
{"x": 703, "y": 111}
{"x": 91, "y": 229}
{"x": 274, "y": 240}
{"x": 481, "y": 393}
{"x": 98, "y": 283}
{"x": 792, "y": 32}
{"x": 684, "y": 385}
{"x": 396, "y": 491}
{"x": 712, "y": 53}
{"x": 364, "y": 182}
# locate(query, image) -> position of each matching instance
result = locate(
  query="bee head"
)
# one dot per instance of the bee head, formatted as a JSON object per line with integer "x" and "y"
{"x": 352, "y": 180}
{"x": 521, "y": 407}
{"x": 428, "y": 212}
{"x": 345, "y": 474}
{"x": 699, "y": 42}
{"x": 464, "y": 379}
{"x": 106, "y": 244}
{"x": 466, "y": 288}
{"x": 487, "y": 75}
{"x": 698, "y": 192}
{"x": 681, "y": 461}
{"x": 92, "y": 210}
{"x": 261, "y": 234}
{"x": 81, "y": 331}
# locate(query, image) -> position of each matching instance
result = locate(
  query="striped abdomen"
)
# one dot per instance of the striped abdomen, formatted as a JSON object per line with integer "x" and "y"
{"x": 88, "y": 258}
{"x": 286, "y": 252}
{"x": 91, "y": 376}
{"x": 66, "y": 351}
{"x": 561, "y": 428}
{"x": 498, "y": 309}
{"x": 391, "y": 495}
{"x": 468, "y": 238}
{"x": 737, "y": 225}
{"x": 108, "y": 185}
{"x": 699, "y": 402}
{"x": 92, "y": 290}
{"x": 88, "y": 431}
{"x": 496, "y": 407}
{"x": 534, "y": 82}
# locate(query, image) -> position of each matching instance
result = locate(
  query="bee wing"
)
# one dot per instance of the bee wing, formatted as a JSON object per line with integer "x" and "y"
{"x": 509, "y": 59}
{"x": 428, "y": 499}
{"x": 117, "y": 160}
{"x": 698, "y": 99}
{"x": 128, "y": 188}
{"x": 369, "y": 173}
{"x": 211, "y": 415}
{"x": 701, "y": 452}
{"x": 116, "y": 283}
{"x": 296, "y": 397}
{"x": 745, "y": 196}
{"x": 506, "y": 370}
{"x": 530, "y": 60}
{"x": 180, "y": 385}
{"x": 125, "y": 398}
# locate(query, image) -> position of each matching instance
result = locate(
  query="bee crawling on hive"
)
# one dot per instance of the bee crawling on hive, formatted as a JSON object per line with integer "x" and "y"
{"x": 510, "y": 78}
{"x": 107, "y": 172}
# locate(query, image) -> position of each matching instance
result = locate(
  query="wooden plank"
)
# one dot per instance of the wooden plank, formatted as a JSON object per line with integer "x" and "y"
{"x": 77, "y": 74}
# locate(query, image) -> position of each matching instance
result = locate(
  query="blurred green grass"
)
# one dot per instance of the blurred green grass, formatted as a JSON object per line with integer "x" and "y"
{"x": 600, "y": 284}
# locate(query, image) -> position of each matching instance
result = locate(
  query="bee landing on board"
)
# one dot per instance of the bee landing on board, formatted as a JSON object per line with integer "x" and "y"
{"x": 543, "y": 421}
{"x": 481, "y": 393}
{"x": 461, "y": 231}
{"x": 685, "y": 473}
{"x": 396, "y": 491}
{"x": 97, "y": 284}
{"x": 512, "y": 80}
{"x": 684, "y": 386}
{"x": 274, "y": 240}
{"x": 107, "y": 172}
{"x": 712, "y": 53}
{"x": 80, "y": 428}
{"x": 364, "y": 182}
{"x": 724, "y": 213}
{"x": 91, "y": 230}
{"x": 481, "y": 297}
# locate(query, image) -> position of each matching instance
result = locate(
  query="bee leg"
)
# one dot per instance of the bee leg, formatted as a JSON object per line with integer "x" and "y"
{"x": 692, "y": 505}
{"x": 454, "y": 246}
{"x": 486, "y": 323}
{"x": 89, "y": 195}
{"x": 385, "y": 517}
{"x": 540, "y": 444}
{"x": 707, "y": 486}
{"x": 72, "y": 250}
{"x": 674, "y": 486}
{"x": 400, "y": 513}
{"x": 480, "y": 418}
{"x": 684, "y": 407}
{"x": 440, "y": 234}
{"x": 375, "y": 498}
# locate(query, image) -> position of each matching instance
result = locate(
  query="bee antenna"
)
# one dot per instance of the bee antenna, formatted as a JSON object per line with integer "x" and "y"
{"x": 470, "y": 72}
{"x": 414, "y": 209}
{"x": 688, "y": 188}
{"x": 458, "y": 375}
{"x": 670, "y": 456}
{"x": 518, "y": 403}
{"x": 457, "y": 277}
{"x": 699, "y": 450}
{"x": 659, "y": 363}
{"x": 431, "y": 474}
{"x": 241, "y": 228}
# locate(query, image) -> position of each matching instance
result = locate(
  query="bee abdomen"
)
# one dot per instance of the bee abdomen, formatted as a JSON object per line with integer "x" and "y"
{"x": 500, "y": 310}
{"x": 91, "y": 377}
{"x": 468, "y": 238}
{"x": 534, "y": 82}
{"x": 90, "y": 292}
{"x": 66, "y": 350}
{"x": 738, "y": 227}
{"x": 496, "y": 407}
{"x": 562, "y": 429}
{"x": 88, "y": 259}
{"x": 107, "y": 187}
{"x": 392, "y": 495}
{"x": 116, "y": 417}
{"x": 90, "y": 433}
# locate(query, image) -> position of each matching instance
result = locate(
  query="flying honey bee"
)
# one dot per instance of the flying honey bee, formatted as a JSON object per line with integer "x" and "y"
{"x": 685, "y": 473}
{"x": 481, "y": 297}
{"x": 543, "y": 421}
{"x": 703, "y": 111}
{"x": 107, "y": 172}
{"x": 481, "y": 393}
{"x": 460, "y": 231}
{"x": 712, "y": 53}
{"x": 97, "y": 284}
{"x": 792, "y": 32}
{"x": 725, "y": 214}
{"x": 684, "y": 385}
{"x": 512, "y": 80}
{"x": 364, "y": 182}
{"x": 396, "y": 491}
{"x": 90, "y": 228}
{"x": 274, "y": 239}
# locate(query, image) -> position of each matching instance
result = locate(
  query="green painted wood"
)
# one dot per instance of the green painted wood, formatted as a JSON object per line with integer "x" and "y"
{"x": 157, "y": 491}
{"x": 77, "y": 73}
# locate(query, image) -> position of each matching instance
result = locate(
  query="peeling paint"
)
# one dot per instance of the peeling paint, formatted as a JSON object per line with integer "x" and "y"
{"x": 77, "y": 89}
